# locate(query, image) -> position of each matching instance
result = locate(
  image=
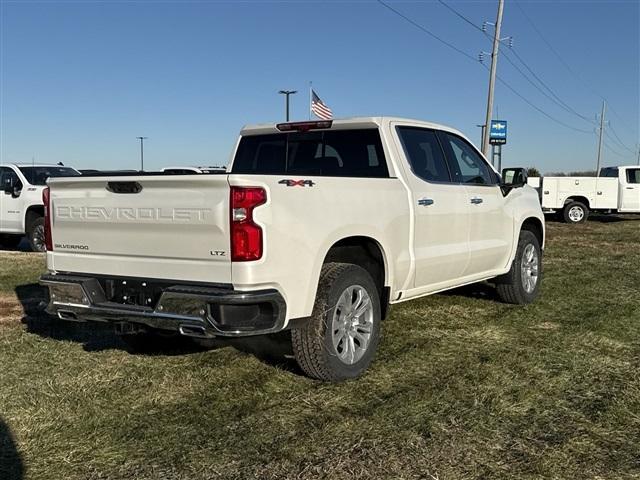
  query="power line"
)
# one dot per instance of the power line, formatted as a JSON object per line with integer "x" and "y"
{"x": 614, "y": 151}
{"x": 501, "y": 80}
{"x": 457, "y": 13}
{"x": 620, "y": 142}
{"x": 559, "y": 100}
{"x": 555, "y": 52}
{"x": 560, "y": 122}
{"x": 431, "y": 34}
{"x": 554, "y": 97}
{"x": 564, "y": 63}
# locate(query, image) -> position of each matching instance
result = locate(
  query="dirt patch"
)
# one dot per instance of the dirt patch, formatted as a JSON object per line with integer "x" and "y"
{"x": 11, "y": 310}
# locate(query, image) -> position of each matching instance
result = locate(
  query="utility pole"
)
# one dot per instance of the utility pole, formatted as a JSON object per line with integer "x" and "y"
{"x": 142, "y": 139}
{"x": 604, "y": 107}
{"x": 639, "y": 154}
{"x": 286, "y": 93}
{"x": 492, "y": 79}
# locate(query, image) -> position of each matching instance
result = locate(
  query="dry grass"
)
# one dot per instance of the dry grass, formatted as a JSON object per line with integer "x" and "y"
{"x": 463, "y": 387}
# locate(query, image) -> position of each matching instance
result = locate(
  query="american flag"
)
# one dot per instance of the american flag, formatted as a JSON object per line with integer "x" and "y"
{"x": 319, "y": 109}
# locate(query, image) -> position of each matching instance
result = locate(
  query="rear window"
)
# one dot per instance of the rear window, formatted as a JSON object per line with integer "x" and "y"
{"x": 39, "y": 175}
{"x": 338, "y": 153}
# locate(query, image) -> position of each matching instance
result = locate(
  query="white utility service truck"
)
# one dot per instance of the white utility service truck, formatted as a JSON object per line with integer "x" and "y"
{"x": 616, "y": 190}
{"x": 315, "y": 227}
{"x": 21, "y": 208}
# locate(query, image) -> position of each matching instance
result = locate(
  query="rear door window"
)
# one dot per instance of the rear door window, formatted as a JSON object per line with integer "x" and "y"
{"x": 337, "y": 153}
{"x": 633, "y": 175}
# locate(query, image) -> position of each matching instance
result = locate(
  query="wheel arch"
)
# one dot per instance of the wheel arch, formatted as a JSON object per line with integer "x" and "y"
{"x": 578, "y": 198}
{"x": 369, "y": 254}
{"x": 32, "y": 213}
{"x": 535, "y": 226}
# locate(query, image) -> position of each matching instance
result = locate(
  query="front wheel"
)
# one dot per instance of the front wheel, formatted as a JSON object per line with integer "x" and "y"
{"x": 521, "y": 284}
{"x": 340, "y": 339}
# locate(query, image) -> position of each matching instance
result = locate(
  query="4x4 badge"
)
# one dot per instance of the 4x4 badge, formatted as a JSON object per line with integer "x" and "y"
{"x": 296, "y": 183}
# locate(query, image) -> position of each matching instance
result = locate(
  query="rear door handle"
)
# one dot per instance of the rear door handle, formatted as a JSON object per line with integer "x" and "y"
{"x": 476, "y": 200}
{"x": 629, "y": 188}
{"x": 425, "y": 202}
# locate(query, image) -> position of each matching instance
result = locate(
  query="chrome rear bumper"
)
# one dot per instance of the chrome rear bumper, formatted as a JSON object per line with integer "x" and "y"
{"x": 198, "y": 311}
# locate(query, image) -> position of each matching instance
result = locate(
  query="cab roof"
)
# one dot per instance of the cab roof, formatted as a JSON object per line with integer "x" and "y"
{"x": 353, "y": 122}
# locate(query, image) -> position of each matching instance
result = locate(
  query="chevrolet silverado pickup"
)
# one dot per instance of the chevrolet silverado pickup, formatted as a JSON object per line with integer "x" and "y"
{"x": 316, "y": 227}
{"x": 21, "y": 208}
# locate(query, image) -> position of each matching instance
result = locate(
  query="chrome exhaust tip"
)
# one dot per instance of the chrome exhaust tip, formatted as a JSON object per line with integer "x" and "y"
{"x": 193, "y": 331}
{"x": 68, "y": 315}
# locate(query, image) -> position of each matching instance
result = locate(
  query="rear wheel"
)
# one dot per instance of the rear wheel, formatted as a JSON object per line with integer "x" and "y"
{"x": 575, "y": 212}
{"x": 521, "y": 284}
{"x": 341, "y": 337}
{"x": 36, "y": 235}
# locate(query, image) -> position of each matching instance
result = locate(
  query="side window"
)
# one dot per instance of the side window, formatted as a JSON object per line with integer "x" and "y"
{"x": 9, "y": 177}
{"x": 467, "y": 166}
{"x": 633, "y": 175}
{"x": 609, "y": 172}
{"x": 424, "y": 154}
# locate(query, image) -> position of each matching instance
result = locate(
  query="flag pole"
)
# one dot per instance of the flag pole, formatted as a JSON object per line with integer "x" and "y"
{"x": 310, "y": 97}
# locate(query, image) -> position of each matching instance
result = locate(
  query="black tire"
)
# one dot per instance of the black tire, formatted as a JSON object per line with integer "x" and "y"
{"x": 575, "y": 212}
{"x": 312, "y": 343}
{"x": 35, "y": 234}
{"x": 10, "y": 241}
{"x": 511, "y": 286}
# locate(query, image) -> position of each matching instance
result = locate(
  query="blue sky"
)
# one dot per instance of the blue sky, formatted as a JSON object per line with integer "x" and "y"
{"x": 81, "y": 79}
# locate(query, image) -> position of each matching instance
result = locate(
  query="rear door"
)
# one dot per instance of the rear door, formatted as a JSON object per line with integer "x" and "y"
{"x": 490, "y": 224}
{"x": 166, "y": 227}
{"x": 441, "y": 230}
{"x": 630, "y": 190}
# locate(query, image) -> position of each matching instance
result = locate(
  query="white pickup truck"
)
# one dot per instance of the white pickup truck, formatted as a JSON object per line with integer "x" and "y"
{"x": 21, "y": 208}
{"x": 616, "y": 190}
{"x": 315, "y": 227}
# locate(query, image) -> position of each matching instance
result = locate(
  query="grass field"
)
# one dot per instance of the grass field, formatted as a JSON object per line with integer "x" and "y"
{"x": 463, "y": 387}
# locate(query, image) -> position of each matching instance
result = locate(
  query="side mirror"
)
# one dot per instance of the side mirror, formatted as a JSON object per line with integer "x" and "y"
{"x": 514, "y": 177}
{"x": 12, "y": 186}
{"x": 8, "y": 186}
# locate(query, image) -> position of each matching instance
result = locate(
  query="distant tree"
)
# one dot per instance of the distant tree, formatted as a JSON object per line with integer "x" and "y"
{"x": 533, "y": 172}
{"x": 586, "y": 173}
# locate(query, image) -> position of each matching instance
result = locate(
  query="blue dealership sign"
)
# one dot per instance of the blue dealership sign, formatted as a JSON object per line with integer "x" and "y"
{"x": 498, "y": 132}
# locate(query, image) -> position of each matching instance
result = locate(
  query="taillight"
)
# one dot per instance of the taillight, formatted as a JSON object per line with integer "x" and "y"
{"x": 246, "y": 236}
{"x": 46, "y": 201}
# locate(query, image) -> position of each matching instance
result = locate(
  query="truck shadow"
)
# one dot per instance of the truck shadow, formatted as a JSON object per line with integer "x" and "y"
{"x": 613, "y": 218}
{"x": 481, "y": 291}
{"x": 271, "y": 349}
{"x": 11, "y": 465}
{"x": 23, "y": 246}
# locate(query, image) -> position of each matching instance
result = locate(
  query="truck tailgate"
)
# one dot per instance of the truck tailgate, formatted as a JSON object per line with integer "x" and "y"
{"x": 167, "y": 227}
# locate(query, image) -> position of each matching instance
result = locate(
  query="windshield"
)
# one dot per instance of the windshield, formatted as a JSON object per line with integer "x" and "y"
{"x": 39, "y": 175}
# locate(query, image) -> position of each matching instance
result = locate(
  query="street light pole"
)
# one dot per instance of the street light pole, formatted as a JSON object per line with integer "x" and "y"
{"x": 286, "y": 94}
{"x": 142, "y": 139}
